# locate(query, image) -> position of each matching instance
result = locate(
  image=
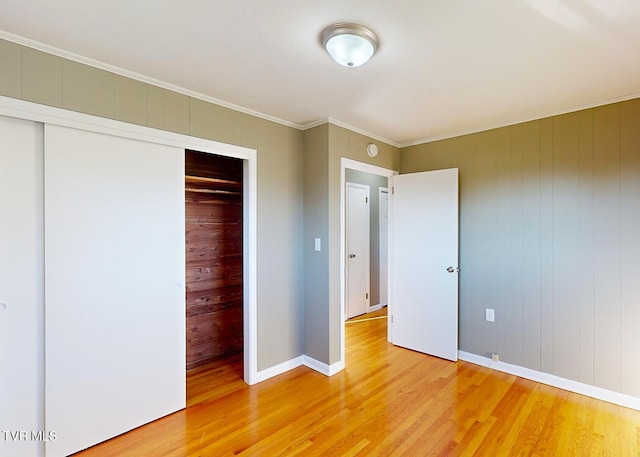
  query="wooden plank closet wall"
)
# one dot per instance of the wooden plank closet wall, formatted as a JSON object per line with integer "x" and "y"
{"x": 213, "y": 222}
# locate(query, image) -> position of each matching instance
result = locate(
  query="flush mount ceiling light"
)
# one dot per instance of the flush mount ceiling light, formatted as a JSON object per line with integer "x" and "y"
{"x": 349, "y": 44}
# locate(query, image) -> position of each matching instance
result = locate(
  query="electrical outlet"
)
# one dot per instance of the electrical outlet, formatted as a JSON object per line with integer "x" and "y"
{"x": 495, "y": 356}
{"x": 490, "y": 315}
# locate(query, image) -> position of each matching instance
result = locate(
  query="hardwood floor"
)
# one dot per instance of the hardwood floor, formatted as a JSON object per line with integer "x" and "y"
{"x": 368, "y": 316}
{"x": 388, "y": 401}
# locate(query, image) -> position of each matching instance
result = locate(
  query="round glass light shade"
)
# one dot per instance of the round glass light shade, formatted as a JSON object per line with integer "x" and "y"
{"x": 350, "y": 45}
{"x": 349, "y": 50}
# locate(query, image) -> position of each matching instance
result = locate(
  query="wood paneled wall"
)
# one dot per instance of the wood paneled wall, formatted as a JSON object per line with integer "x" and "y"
{"x": 550, "y": 238}
{"x": 213, "y": 208}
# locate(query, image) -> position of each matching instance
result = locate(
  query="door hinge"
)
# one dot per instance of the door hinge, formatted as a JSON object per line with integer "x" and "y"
{"x": 393, "y": 190}
{"x": 392, "y": 318}
{"x": 366, "y": 199}
{"x": 367, "y": 296}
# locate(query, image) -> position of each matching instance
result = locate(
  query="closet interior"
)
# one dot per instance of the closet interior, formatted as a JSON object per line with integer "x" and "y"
{"x": 214, "y": 257}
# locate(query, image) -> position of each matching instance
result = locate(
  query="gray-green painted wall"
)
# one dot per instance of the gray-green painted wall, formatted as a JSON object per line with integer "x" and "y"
{"x": 316, "y": 225}
{"x": 323, "y": 147}
{"x": 35, "y": 76}
{"x": 550, "y": 238}
{"x": 374, "y": 182}
{"x": 351, "y": 145}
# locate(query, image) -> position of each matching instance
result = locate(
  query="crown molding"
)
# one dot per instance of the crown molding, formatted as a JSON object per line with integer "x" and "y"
{"x": 447, "y": 136}
{"x": 33, "y": 44}
{"x": 313, "y": 124}
{"x": 338, "y": 123}
{"x": 363, "y": 132}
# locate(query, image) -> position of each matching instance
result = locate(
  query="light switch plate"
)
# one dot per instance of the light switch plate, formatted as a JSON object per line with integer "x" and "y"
{"x": 490, "y": 315}
{"x": 318, "y": 244}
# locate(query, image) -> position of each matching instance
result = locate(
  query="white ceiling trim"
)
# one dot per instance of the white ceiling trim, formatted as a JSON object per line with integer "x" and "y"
{"x": 313, "y": 124}
{"x": 362, "y": 132}
{"x": 623, "y": 98}
{"x": 330, "y": 120}
{"x": 142, "y": 78}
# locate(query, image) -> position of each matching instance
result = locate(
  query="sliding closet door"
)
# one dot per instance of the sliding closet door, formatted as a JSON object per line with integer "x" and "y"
{"x": 21, "y": 288}
{"x": 114, "y": 285}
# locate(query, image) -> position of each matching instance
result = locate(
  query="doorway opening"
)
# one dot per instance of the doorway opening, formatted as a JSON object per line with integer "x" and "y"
{"x": 214, "y": 263}
{"x": 376, "y": 179}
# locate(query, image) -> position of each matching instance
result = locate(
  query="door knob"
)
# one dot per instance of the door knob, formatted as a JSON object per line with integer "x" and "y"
{"x": 453, "y": 270}
{"x": 352, "y": 256}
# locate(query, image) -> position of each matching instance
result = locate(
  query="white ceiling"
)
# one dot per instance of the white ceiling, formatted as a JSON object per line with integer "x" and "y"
{"x": 443, "y": 68}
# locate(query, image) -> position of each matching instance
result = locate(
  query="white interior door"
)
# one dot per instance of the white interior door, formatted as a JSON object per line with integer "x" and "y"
{"x": 383, "y": 215}
{"x": 21, "y": 288}
{"x": 424, "y": 262}
{"x": 114, "y": 285}
{"x": 357, "y": 261}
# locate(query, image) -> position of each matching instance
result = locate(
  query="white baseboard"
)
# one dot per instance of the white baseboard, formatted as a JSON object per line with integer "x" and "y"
{"x": 598, "y": 393}
{"x": 374, "y": 308}
{"x": 321, "y": 367}
{"x": 279, "y": 369}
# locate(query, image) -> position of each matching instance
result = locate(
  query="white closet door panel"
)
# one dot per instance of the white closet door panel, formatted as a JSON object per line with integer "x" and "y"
{"x": 114, "y": 277}
{"x": 21, "y": 288}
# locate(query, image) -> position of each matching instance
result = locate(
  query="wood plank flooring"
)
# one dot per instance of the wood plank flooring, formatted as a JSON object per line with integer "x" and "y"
{"x": 388, "y": 402}
{"x": 368, "y": 316}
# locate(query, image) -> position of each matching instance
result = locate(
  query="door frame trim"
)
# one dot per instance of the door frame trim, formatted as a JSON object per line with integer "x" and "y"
{"x": 367, "y": 168}
{"x": 381, "y": 191}
{"x": 21, "y": 109}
